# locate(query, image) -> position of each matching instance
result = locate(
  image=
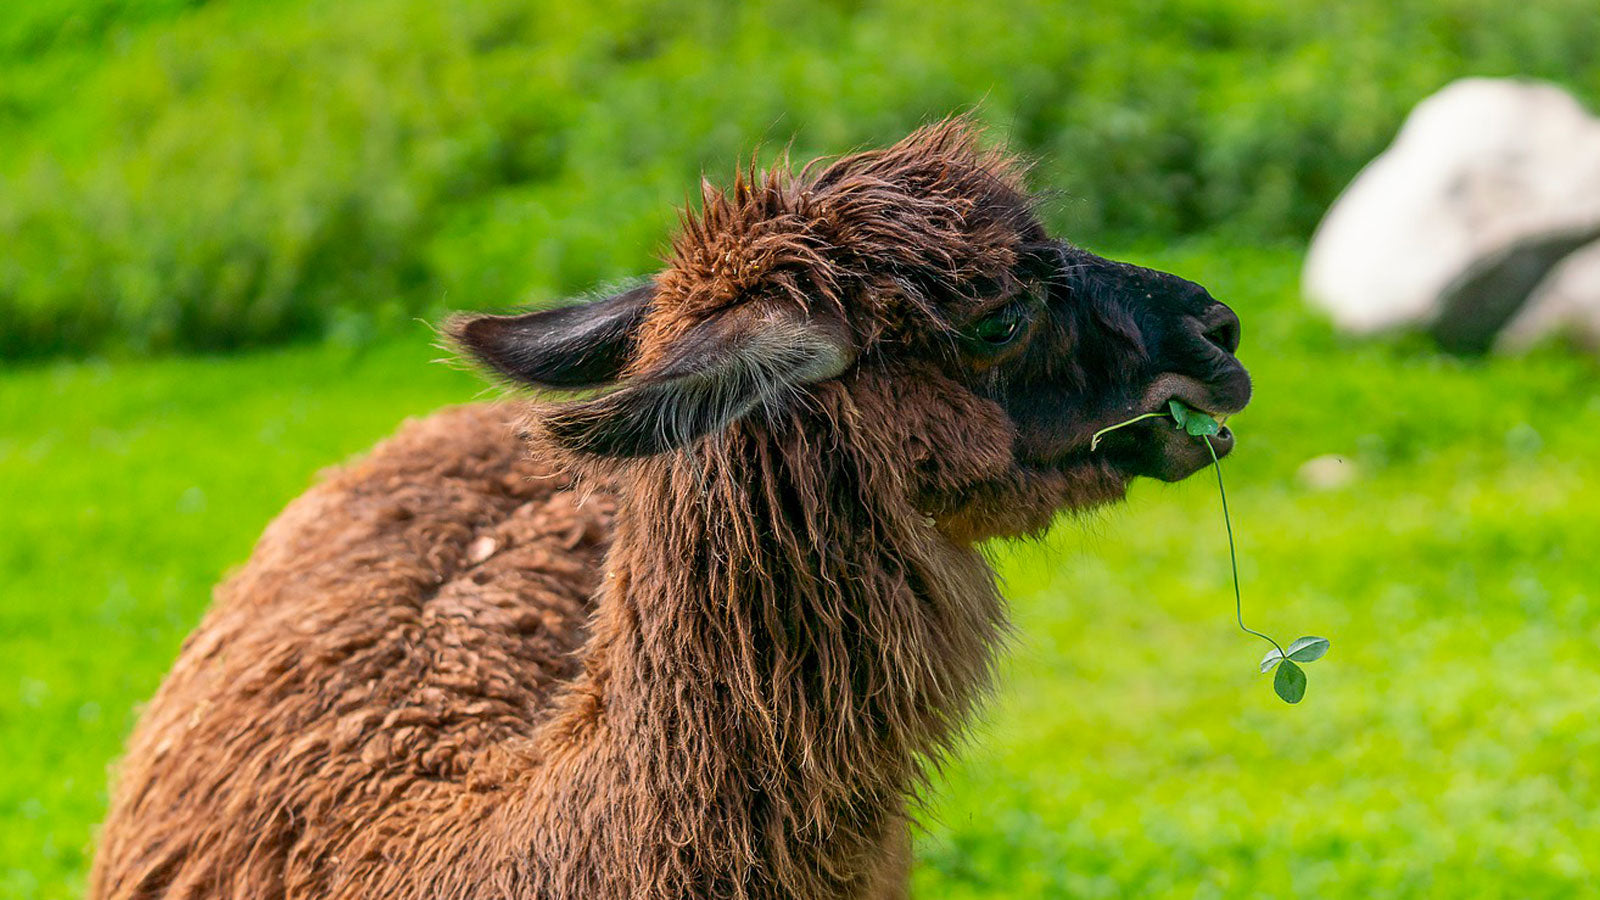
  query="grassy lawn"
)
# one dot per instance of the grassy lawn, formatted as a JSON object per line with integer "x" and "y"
{"x": 1447, "y": 746}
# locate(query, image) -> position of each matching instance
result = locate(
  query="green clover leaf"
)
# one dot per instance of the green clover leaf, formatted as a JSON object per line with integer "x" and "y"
{"x": 1290, "y": 682}
{"x": 1308, "y": 649}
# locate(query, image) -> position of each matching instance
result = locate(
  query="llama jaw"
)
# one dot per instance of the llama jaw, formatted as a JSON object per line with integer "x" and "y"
{"x": 1169, "y": 453}
{"x": 1154, "y": 448}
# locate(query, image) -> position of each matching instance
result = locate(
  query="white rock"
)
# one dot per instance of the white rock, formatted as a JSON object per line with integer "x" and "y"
{"x": 1477, "y": 167}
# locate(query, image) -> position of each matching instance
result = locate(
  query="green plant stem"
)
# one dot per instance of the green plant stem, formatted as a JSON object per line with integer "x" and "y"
{"x": 1095, "y": 440}
{"x": 1233, "y": 557}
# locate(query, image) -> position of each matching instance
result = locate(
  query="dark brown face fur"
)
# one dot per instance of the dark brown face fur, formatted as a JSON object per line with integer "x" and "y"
{"x": 907, "y": 301}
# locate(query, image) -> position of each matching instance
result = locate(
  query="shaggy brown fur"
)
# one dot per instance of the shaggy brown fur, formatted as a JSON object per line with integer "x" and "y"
{"x": 706, "y": 639}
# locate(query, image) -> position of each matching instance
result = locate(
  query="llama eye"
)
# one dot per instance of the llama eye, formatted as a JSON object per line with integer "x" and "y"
{"x": 999, "y": 328}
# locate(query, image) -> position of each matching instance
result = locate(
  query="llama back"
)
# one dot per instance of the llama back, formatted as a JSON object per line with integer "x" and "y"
{"x": 395, "y": 626}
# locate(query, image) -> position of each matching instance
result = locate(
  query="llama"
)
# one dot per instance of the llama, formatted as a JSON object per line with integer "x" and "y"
{"x": 704, "y": 625}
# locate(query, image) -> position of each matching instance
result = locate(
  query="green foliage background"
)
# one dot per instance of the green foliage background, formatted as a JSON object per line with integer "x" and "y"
{"x": 185, "y": 175}
{"x": 180, "y": 176}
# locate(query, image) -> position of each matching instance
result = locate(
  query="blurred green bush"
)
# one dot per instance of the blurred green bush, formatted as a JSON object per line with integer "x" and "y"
{"x": 190, "y": 175}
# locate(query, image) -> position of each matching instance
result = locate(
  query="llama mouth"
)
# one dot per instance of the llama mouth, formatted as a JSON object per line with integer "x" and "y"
{"x": 1157, "y": 447}
{"x": 1222, "y": 441}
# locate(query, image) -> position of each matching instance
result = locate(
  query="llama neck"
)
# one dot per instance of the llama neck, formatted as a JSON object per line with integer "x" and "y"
{"x": 780, "y": 644}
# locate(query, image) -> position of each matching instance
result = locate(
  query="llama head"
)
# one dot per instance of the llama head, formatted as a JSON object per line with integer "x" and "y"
{"x": 909, "y": 301}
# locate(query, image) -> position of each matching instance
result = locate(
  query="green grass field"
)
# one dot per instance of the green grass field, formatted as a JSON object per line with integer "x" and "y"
{"x": 1447, "y": 746}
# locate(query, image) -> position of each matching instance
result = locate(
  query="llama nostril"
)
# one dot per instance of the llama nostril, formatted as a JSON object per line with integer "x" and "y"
{"x": 1224, "y": 329}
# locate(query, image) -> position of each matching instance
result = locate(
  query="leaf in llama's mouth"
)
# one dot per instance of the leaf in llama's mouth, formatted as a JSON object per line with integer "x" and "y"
{"x": 1290, "y": 682}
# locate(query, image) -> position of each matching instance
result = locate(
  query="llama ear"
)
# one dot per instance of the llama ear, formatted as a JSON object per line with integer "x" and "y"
{"x": 717, "y": 373}
{"x": 569, "y": 347}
